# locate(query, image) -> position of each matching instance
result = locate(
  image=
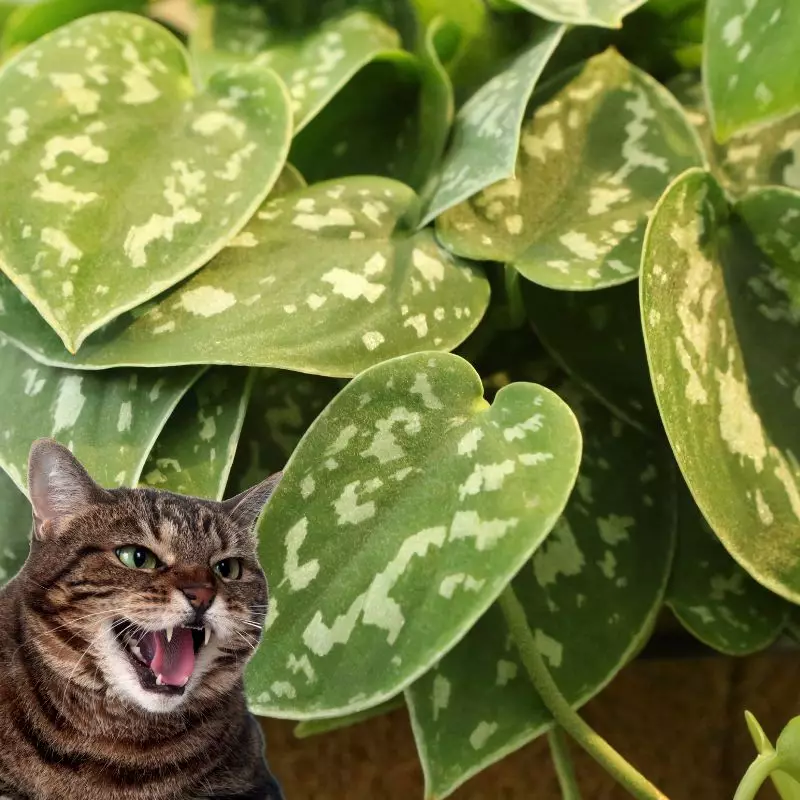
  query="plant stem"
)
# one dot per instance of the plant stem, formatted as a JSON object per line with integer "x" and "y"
{"x": 559, "y": 750}
{"x": 756, "y": 774}
{"x": 608, "y": 758}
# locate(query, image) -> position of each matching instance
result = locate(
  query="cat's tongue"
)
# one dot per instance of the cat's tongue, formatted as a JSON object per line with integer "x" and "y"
{"x": 173, "y": 660}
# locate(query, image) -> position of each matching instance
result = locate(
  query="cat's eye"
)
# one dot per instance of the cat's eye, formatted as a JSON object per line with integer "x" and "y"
{"x": 229, "y": 568}
{"x": 136, "y": 557}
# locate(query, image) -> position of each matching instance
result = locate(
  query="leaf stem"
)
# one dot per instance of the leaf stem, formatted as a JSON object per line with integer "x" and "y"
{"x": 602, "y": 752}
{"x": 559, "y": 750}
{"x": 756, "y": 774}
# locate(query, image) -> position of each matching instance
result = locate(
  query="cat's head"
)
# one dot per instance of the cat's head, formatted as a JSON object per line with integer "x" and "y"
{"x": 147, "y": 596}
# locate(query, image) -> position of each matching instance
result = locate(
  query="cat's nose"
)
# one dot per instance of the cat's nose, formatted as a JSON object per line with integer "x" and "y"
{"x": 200, "y": 595}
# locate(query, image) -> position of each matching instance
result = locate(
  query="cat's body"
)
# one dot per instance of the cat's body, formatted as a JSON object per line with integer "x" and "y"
{"x": 122, "y": 644}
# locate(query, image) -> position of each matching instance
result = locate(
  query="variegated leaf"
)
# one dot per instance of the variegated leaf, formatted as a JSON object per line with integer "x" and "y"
{"x": 600, "y": 144}
{"x": 132, "y": 180}
{"x": 605, "y": 13}
{"x": 323, "y": 280}
{"x": 282, "y": 407}
{"x": 109, "y": 420}
{"x": 591, "y": 594}
{"x": 406, "y": 508}
{"x": 314, "y": 65}
{"x": 194, "y": 453}
{"x": 768, "y": 154}
{"x": 15, "y": 528}
{"x": 597, "y": 338}
{"x": 750, "y": 49}
{"x": 721, "y": 318}
{"x": 713, "y": 597}
{"x": 486, "y": 133}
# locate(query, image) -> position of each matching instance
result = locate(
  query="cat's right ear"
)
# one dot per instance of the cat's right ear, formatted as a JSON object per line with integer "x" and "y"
{"x": 58, "y": 485}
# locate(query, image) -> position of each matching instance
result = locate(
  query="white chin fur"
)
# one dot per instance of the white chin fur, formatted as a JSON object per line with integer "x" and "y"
{"x": 123, "y": 681}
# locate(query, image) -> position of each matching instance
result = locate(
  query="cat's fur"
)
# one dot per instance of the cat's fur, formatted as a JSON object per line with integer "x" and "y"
{"x": 76, "y": 723}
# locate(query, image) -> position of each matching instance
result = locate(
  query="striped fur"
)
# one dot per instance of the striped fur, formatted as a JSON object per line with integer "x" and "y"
{"x": 75, "y": 723}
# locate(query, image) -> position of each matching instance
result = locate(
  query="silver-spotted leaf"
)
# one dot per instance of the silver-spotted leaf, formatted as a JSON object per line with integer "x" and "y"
{"x": 604, "y": 13}
{"x": 315, "y": 64}
{"x": 721, "y": 318}
{"x": 597, "y": 338}
{"x": 15, "y": 528}
{"x": 599, "y": 145}
{"x": 591, "y": 594}
{"x": 282, "y": 407}
{"x": 323, "y": 280}
{"x": 402, "y": 514}
{"x": 110, "y": 420}
{"x": 712, "y": 596}
{"x": 194, "y": 453}
{"x": 750, "y": 49}
{"x": 486, "y": 131}
{"x": 768, "y": 154}
{"x": 132, "y": 180}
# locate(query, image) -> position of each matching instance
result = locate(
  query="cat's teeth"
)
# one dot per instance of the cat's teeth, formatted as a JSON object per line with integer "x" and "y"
{"x": 159, "y": 681}
{"x": 169, "y": 633}
{"x": 208, "y": 634}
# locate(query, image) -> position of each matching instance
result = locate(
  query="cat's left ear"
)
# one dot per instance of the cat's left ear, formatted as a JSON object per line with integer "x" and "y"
{"x": 246, "y": 508}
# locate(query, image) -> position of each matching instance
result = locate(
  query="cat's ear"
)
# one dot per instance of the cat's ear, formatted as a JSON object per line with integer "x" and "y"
{"x": 246, "y": 508}
{"x": 58, "y": 485}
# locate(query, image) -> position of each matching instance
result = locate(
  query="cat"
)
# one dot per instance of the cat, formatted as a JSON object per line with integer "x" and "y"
{"x": 123, "y": 641}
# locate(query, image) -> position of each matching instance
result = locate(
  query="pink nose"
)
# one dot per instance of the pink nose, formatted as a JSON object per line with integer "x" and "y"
{"x": 200, "y": 595}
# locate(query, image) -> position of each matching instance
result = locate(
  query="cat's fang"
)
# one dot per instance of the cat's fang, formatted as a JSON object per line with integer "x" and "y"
{"x": 207, "y": 634}
{"x": 168, "y": 633}
{"x": 159, "y": 681}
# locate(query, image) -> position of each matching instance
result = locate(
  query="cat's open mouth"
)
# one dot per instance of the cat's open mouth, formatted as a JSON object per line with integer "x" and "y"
{"x": 164, "y": 660}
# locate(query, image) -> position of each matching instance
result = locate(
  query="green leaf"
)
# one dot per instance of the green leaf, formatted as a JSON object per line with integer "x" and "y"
{"x": 601, "y": 143}
{"x": 596, "y": 337}
{"x": 109, "y": 420}
{"x": 769, "y": 154}
{"x": 591, "y": 593}
{"x": 132, "y": 180}
{"x": 786, "y": 786}
{"x": 720, "y": 311}
{"x": 713, "y": 597}
{"x": 30, "y": 21}
{"x": 405, "y": 510}
{"x": 324, "y": 280}
{"x": 15, "y": 528}
{"x": 282, "y": 407}
{"x": 604, "y": 13}
{"x": 487, "y": 128}
{"x": 314, "y": 64}
{"x": 747, "y": 49}
{"x": 194, "y": 453}
{"x": 315, "y": 727}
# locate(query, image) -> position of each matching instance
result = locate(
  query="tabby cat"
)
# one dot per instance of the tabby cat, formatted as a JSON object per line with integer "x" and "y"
{"x": 123, "y": 640}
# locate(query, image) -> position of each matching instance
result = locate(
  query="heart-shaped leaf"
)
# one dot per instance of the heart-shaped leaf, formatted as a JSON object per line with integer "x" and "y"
{"x": 747, "y": 47}
{"x": 597, "y": 338}
{"x": 405, "y": 510}
{"x": 713, "y": 597}
{"x": 486, "y": 132}
{"x": 769, "y": 154}
{"x": 194, "y": 453}
{"x": 324, "y": 280}
{"x": 600, "y": 144}
{"x": 315, "y": 64}
{"x": 282, "y": 407}
{"x": 591, "y": 594}
{"x": 15, "y": 528}
{"x": 31, "y": 20}
{"x": 109, "y": 420}
{"x": 604, "y": 13}
{"x": 721, "y": 318}
{"x": 132, "y": 180}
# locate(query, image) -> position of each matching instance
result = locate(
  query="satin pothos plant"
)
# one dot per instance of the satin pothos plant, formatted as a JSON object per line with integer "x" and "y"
{"x": 509, "y": 289}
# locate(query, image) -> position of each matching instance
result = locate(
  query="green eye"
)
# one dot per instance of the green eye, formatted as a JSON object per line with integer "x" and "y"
{"x": 229, "y": 568}
{"x": 135, "y": 557}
